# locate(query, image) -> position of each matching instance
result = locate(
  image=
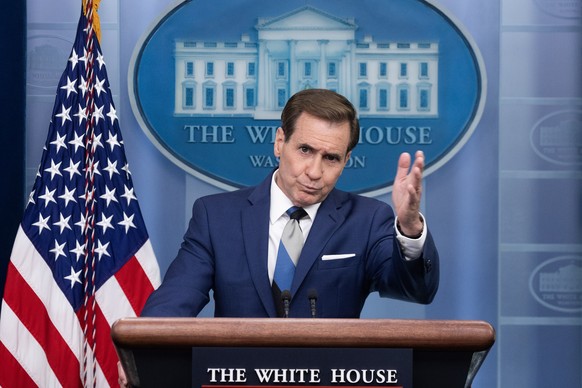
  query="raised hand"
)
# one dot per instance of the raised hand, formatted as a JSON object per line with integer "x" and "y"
{"x": 406, "y": 193}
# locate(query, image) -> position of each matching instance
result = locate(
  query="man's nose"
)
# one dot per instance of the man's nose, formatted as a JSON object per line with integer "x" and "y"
{"x": 315, "y": 168}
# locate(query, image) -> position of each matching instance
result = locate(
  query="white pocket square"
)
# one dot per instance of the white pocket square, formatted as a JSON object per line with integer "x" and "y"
{"x": 338, "y": 257}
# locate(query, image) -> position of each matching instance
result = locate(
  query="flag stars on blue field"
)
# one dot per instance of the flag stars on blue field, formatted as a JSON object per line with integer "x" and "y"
{"x": 48, "y": 196}
{"x": 96, "y": 139}
{"x": 72, "y": 162}
{"x": 109, "y": 195}
{"x": 88, "y": 195}
{"x": 74, "y": 277}
{"x": 54, "y": 169}
{"x": 82, "y": 223}
{"x": 70, "y": 86}
{"x": 79, "y": 250}
{"x": 83, "y": 86}
{"x": 112, "y": 139}
{"x": 63, "y": 223}
{"x": 31, "y": 198}
{"x": 112, "y": 114}
{"x": 127, "y": 222}
{"x": 128, "y": 195}
{"x": 81, "y": 114}
{"x": 78, "y": 140}
{"x": 102, "y": 249}
{"x": 59, "y": 142}
{"x": 100, "y": 59}
{"x": 93, "y": 170}
{"x": 42, "y": 223}
{"x": 98, "y": 114}
{"x": 73, "y": 168}
{"x": 74, "y": 59}
{"x": 83, "y": 58}
{"x": 127, "y": 173}
{"x": 111, "y": 168}
{"x": 99, "y": 88}
{"x": 58, "y": 250}
{"x": 68, "y": 196}
{"x": 64, "y": 115}
{"x": 105, "y": 223}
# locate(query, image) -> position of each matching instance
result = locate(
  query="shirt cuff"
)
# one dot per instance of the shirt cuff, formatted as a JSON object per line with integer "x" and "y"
{"x": 411, "y": 247}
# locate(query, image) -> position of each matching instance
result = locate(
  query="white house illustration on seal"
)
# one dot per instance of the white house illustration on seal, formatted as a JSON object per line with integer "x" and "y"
{"x": 305, "y": 48}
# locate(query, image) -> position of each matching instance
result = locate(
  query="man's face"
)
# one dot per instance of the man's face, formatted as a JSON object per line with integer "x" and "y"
{"x": 312, "y": 160}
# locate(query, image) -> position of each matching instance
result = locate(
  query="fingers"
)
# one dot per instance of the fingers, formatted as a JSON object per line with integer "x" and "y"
{"x": 404, "y": 161}
{"x": 419, "y": 160}
{"x": 122, "y": 378}
{"x": 407, "y": 200}
{"x": 416, "y": 174}
{"x": 403, "y": 166}
{"x": 409, "y": 175}
{"x": 414, "y": 194}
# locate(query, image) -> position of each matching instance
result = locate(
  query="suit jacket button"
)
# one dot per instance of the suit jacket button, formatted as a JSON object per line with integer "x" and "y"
{"x": 428, "y": 265}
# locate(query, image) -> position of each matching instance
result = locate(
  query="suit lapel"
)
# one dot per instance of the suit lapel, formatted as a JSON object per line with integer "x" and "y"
{"x": 328, "y": 219}
{"x": 255, "y": 223}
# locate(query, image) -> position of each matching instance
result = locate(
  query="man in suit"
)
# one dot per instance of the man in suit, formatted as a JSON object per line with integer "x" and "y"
{"x": 352, "y": 245}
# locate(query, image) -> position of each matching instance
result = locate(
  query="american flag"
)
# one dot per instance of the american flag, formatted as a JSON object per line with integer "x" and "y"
{"x": 82, "y": 257}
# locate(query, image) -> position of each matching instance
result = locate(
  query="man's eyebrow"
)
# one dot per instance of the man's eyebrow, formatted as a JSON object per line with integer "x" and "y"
{"x": 334, "y": 155}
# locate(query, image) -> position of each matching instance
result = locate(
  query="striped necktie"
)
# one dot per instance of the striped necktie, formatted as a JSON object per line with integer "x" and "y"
{"x": 288, "y": 254}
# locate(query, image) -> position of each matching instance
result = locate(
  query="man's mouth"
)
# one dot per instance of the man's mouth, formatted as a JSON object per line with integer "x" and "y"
{"x": 310, "y": 189}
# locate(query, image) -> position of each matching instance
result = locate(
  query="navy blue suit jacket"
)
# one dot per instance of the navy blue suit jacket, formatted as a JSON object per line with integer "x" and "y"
{"x": 225, "y": 250}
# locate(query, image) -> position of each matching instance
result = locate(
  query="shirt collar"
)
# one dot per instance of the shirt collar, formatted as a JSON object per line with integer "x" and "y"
{"x": 280, "y": 203}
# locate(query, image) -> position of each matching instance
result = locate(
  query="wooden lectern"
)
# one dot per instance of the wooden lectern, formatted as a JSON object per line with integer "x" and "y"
{"x": 158, "y": 351}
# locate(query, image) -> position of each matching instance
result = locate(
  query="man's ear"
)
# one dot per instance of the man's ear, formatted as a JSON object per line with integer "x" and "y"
{"x": 279, "y": 140}
{"x": 348, "y": 155}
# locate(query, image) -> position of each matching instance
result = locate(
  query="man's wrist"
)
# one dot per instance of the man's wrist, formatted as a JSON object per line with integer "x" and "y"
{"x": 411, "y": 245}
{"x": 416, "y": 235}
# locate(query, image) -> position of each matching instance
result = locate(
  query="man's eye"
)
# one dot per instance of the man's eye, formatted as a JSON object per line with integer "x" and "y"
{"x": 304, "y": 149}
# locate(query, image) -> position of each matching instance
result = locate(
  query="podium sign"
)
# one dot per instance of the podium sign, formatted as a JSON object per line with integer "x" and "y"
{"x": 182, "y": 352}
{"x": 292, "y": 367}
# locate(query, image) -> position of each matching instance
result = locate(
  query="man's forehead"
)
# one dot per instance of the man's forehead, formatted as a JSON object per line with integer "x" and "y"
{"x": 328, "y": 140}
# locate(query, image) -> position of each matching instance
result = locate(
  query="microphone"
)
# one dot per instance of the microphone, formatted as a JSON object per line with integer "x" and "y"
{"x": 312, "y": 299}
{"x": 286, "y": 299}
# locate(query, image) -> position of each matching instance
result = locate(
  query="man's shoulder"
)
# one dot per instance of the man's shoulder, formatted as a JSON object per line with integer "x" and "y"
{"x": 248, "y": 195}
{"x": 352, "y": 200}
{"x": 227, "y": 196}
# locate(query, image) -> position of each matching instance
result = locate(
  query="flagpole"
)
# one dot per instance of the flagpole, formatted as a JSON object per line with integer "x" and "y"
{"x": 88, "y": 321}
